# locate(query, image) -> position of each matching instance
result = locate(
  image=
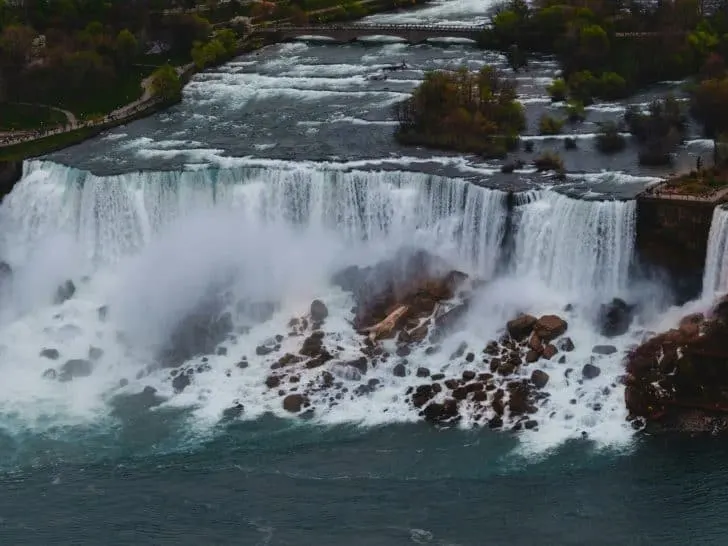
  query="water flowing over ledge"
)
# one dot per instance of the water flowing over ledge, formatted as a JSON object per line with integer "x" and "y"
{"x": 716, "y": 260}
{"x": 150, "y": 245}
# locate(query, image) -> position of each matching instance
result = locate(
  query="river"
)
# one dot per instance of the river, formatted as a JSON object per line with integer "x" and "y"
{"x": 276, "y": 171}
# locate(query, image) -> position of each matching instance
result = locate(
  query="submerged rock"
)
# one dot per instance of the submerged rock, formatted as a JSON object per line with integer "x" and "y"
{"x": 180, "y": 382}
{"x": 604, "y": 349}
{"x": 51, "y": 354}
{"x": 64, "y": 292}
{"x": 319, "y": 311}
{"x": 294, "y": 402}
{"x": 615, "y": 318}
{"x": 75, "y": 368}
{"x": 590, "y": 371}
{"x": 95, "y": 353}
{"x": 50, "y": 373}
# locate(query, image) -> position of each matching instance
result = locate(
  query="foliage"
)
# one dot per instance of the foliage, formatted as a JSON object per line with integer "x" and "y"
{"x": 166, "y": 83}
{"x": 575, "y": 111}
{"x": 470, "y": 112}
{"x": 659, "y": 131}
{"x": 557, "y": 90}
{"x": 549, "y": 161}
{"x": 709, "y": 105}
{"x": 609, "y": 139}
{"x": 570, "y": 143}
{"x": 27, "y": 116}
{"x": 548, "y": 125}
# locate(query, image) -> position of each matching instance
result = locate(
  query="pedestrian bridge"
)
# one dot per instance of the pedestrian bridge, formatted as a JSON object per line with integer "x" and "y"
{"x": 349, "y": 33}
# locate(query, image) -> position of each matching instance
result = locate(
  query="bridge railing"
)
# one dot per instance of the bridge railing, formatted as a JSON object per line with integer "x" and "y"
{"x": 396, "y": 28}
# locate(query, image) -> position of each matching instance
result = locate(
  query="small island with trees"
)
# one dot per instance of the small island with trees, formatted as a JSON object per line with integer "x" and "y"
{"x": 607, "y": 51}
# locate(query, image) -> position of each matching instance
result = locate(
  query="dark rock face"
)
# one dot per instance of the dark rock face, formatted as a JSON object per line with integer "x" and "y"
{"x": 198, "y": 333}
{"x": 615, "y": 318}
{"x": 51, "y": 354}
{"x": 64, "y": 292}
{"x": 75, "y": 368}
{"x": 319, "y": 311}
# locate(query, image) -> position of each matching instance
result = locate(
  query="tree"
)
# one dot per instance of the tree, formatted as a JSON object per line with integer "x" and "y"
{"x": 166, "y": 83}
{"x": 709, "y": 105}
{"x": 126, "y": 48}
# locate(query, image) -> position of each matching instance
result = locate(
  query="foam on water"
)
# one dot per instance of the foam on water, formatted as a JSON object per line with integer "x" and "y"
{"x": 152, "y": 244}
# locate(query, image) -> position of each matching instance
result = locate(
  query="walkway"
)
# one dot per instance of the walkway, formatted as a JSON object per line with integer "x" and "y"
{"x": 118, "y": 116}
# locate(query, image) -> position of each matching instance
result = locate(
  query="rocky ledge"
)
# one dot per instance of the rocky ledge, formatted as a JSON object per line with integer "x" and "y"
{"x": 678, "y": 380}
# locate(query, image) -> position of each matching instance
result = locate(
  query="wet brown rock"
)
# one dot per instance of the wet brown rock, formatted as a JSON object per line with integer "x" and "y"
{"x": 549, "y": 351}
{"x": 520, "y": 327}
{"x": 535, "y": 344}
{"x": 532, "y": 356}
{"x": 287, "y": 359}
{"x": 435, "y": 412}
{"x": 402, "y": 351}
{"x": 690, "y": 325}
{"x": 519, "y": 401}
{"x": 549, "y": 327}
{"x": 399, "y": 370}
{"x": 437, "y": 376}
{"x": 418, "y": 334}
{"x": 506, "y": 368}
{"x": 566, "y": 345}
{"x": 422, "y": 395}
{"x": 422, "y": 372}
{"x": 460, "y": 393}
{"x": 452, "y": 384}
{"x": 313, "y": 344}
{"x": 492, "y": 348}
{"x": 294, "y": 402}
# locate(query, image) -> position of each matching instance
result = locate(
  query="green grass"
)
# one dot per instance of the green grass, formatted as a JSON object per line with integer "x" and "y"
{"x": 24, "y": 150}
{"x": 14, "y": 117}
{"x": 127, "y": 89}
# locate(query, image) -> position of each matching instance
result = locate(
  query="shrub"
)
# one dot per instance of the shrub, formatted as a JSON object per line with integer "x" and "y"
{"x": 582, "y": 86}
{"x": 549, "y": 161}
{"x": 528, "y": 146}
{"x": 611, "y": 86}
{"x": 557, "y": 90}
{"x": 570, "y": 143}
{"x": 609, "y": 139}
{"x": 549, "y": 126}
{"x": 575, "y": 112}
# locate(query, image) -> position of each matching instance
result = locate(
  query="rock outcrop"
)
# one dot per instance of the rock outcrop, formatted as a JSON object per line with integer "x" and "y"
{"x": 678, "y": 380}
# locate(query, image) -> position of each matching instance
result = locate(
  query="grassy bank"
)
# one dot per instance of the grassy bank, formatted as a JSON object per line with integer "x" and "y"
{"x": 22, "y": 117}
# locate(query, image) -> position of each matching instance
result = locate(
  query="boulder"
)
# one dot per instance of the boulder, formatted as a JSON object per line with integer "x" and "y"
{"x": 468, "y": 375}
{"x": 51, "y": 354}
{"x": 590, "y": 371}
{"x": 319, "y": 311}
{"x": 615, "y": 318}
{"x": 539, "y": 378}
{"x": 72, "y": 369}
{"x": 520, "y": 327}
{"x": 549, "y": 327}
{"x": 423, "y": 372}
{"x": 535, "y": 344}
{"x": 604, "y": 349}
{"x": 272, "y": 381}
{"x": 64, "y": 292}
{"x": 180, "y": 382}
{"x": 532, "y": 356}
{"x": 294, "y": 402}
{"x": 399, "y": 370}
{"x": 550, "y": 351}
{"x": 566, "y": 345}
{"x": 312, "y": 345}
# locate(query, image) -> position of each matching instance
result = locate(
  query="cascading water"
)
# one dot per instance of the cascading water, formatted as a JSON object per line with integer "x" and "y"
{"x": 715, "y": 279}
{"x": 579, "y": 247}
{"x": 152, "y": 244}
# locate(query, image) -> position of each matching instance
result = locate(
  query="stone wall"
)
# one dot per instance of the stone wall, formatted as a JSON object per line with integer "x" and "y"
{"x": 10, "y": 173}
{"x": 672, "y": 237}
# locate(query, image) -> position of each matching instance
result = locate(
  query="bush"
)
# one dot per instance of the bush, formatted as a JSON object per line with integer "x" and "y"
{"x": 575, "y": 112}
{"x": 464, "y": 111}
{"x": 611, "y": 86}
{"x": 582, "y": 86}
{"x": 549, "y": 161}
{"x": 659, "y": 131}
{"x": 528, "y": 146}
{"x": 557, "y": 90}
{"x": 570, "y": 143}
{"x": 549, "y": 126}
{"x": 511, "y": 166}
{"x": 609, "y": 139}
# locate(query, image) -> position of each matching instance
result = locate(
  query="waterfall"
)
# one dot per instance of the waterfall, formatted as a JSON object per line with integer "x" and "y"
{"x": 715, "y": 278}
{"x": 112, "y": 217}
{"x": 575, "y": 246}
